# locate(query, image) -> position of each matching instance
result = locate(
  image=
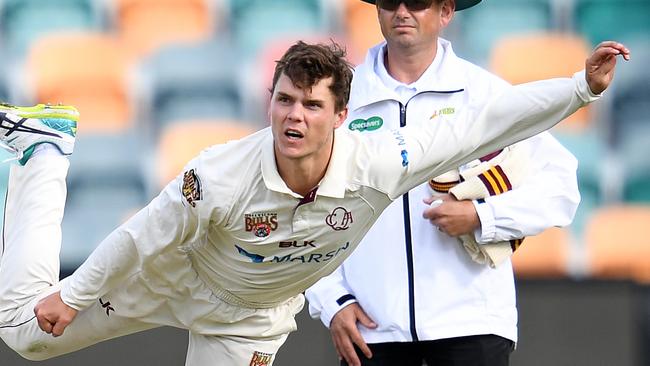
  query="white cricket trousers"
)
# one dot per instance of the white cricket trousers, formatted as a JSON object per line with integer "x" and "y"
{"x": 220, "y": 333}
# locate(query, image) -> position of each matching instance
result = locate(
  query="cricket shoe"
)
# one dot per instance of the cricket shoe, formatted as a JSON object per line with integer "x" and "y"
{"x": 24, "y": 128}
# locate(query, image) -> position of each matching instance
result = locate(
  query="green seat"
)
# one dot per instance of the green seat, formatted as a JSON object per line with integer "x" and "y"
{"x": 4, "y": 88}
{"x": 194, "y": 81}
{"x": 482, "y": 26}
{"x": 23, "y": 21}
{"x": 620, "y": 20}
{"x": 105, "y": 186}
{"x": 590, "y": 150}
{"x": 634, "y": 152}
{"x": 254, "y": 22}
{"x": 637, "y": 189}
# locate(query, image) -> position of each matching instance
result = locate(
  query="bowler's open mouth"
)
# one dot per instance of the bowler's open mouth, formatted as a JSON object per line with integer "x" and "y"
{"x": 293, "y": 134}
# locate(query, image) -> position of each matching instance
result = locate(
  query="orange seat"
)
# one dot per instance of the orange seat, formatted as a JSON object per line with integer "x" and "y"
{"x": 361, "y": 28}
{"x": 85, "y": 70}
{"x": 545, "y": 255}
{"x": 145, "y": 25}
{"x": 618, "y": 245}
{"x": 183, "y": 140}
{"x": 520, "y": 59}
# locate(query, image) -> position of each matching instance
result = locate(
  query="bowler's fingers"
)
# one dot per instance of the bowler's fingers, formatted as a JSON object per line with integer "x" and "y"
{"x": 59, "y": 327}
{"x": 45, "y": 325}
{"x": 613, "y": 48}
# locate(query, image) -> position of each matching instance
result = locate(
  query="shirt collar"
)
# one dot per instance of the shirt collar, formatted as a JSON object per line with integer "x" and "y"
{"x": 444, "y": 74}
{"x": 332, "y": 184}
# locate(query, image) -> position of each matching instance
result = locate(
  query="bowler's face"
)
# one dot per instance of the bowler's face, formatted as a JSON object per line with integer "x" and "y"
{"x": 303, "y": 120}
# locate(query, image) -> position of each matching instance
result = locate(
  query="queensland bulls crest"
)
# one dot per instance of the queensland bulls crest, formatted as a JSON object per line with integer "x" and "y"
{"x": 191, "y": 189}
{"x": 261, "y": 223}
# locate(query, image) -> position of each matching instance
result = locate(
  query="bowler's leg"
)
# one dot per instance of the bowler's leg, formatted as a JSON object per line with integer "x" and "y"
{"x": 29, "y": 267}
{"x": 31, "y": 239}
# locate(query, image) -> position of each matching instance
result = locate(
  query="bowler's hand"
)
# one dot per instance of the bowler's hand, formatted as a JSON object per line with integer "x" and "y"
{"x": 452, "y": 217}
{"x": 53, "y": 314}
{"x": 600, "y": 65}
{"x": 345, "y": 333}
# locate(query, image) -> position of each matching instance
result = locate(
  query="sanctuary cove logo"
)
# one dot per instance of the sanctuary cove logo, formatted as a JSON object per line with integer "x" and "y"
{"x": 370, "y": 124}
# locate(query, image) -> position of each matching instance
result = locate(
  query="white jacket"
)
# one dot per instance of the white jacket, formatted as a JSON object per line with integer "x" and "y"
{"x": 415, "y": 282}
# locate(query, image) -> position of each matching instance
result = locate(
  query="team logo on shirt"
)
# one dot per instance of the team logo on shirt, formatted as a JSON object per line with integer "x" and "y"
{"x": 191, "y": 189}
{"x": 261, "y": 359}
{"x": 261, "y": 223}
{"x": 370, "y": 124}
{"x": 339, "y": 219}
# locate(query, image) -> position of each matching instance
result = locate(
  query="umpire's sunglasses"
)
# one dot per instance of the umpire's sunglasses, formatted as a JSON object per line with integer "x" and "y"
{"x": 412, "y": 5}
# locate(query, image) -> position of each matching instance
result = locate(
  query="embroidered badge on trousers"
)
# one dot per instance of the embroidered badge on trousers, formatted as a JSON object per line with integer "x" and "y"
{"x": 261, "y": 359}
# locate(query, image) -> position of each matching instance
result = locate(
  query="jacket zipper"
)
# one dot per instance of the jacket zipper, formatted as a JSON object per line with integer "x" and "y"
{"x": 409, "y": 242}
{"x": 407, "y": 225}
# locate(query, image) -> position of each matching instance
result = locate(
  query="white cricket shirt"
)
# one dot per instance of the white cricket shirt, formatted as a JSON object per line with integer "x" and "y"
{"x": 256, "y": 244}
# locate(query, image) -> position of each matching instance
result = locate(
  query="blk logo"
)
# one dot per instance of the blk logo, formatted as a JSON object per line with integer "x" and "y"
{"x": 339, "y": 219}
{"x": 297, "y": 244}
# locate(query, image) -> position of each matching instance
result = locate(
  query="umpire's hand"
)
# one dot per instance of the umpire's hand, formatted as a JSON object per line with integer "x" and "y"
{"x": 600, "y": 65}
{"x": 345, "y": 333}
{"x": 53, "y": 314}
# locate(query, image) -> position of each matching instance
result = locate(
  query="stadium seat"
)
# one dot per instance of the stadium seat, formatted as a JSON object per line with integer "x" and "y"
{"x": 86, "y": 70}
{"x": 94, "y": 208}
{"x": 543, "y": 256}
{"x": 183, "y": 140}
{"x": 592, "y": 154}
{"x": 482, "y": 26}
{"x": 523, "y": 58}
{"x": 4, "y": 88}
{"x": 191, "y": 81}
{"x": 633, "y": 151}
{"x": 255, "y": 22}
{"x": 620, "y": 20}
{"x": 24, "y": 21}
{"x": 361, "y": 29}
{"x": 106, "y": 184}
{"x": 145, "y": 25}
{"x": 630, "y": 102}
{"x": 629, "y": 121}
{"x": 617, "y": 243}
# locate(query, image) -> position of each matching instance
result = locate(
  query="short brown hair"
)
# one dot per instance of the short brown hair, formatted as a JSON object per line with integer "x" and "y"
{"x": 306, "y": 64}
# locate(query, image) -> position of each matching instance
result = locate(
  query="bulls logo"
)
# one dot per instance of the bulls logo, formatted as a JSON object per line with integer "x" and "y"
{"x": 262, "y": 230}
{"x": 261, "y": 223}
{"x": 191, "y": 189}
{"x": 339, "y": 219}
{"x": 261, "y": 359}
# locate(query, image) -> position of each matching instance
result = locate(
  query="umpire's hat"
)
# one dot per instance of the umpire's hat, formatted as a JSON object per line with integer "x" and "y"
{"x": 460, "y": 4}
